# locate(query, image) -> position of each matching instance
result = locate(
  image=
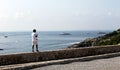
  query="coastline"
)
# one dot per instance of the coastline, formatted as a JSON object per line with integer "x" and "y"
{"x": 112, "y": 38}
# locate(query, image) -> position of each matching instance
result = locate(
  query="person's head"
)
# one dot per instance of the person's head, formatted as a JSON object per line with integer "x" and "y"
{"x": 34, "y": 30}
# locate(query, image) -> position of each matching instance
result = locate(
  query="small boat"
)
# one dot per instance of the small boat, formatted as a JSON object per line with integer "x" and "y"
{"x": 1, "y": 49}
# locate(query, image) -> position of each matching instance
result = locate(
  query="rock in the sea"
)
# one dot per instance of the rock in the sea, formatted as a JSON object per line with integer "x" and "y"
{"x": 65, "y": 34}
{"x": 6, "y": 36}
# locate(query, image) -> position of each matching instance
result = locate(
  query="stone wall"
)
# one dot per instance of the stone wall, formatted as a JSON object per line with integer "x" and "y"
{"x": 55, "y": 55}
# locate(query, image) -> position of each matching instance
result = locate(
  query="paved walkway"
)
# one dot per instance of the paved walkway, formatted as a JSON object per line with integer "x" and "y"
{"x": 99, "y": 64}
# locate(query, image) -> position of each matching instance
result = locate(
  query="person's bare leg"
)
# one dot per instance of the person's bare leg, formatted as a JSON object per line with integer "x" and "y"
{"x": 32, "y": 48}
{"x": 37, "y": 48}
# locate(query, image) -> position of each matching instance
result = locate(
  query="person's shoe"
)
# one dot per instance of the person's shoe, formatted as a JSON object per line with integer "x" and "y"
{"x": 37, "y": 50}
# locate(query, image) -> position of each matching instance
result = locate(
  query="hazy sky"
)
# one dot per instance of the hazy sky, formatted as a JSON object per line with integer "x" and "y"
{"x": 53, "y": 15}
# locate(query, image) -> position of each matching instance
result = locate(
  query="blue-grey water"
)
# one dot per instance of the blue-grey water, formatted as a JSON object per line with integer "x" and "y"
{"x": 20, "y": 42}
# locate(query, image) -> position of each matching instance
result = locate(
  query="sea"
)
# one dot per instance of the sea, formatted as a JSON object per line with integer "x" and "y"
{"x": 20, "y": 42}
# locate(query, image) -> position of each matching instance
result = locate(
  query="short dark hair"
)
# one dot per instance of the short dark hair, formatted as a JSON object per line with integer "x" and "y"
{"x": 34, "y": 30}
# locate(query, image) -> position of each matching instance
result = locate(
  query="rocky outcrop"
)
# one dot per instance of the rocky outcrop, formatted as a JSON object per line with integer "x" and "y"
{"x": 86, "y": 43}
{"x": 112, "y": 38}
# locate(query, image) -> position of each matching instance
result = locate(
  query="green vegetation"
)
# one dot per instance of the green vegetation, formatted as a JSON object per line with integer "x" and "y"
{"x": 112, "y": 38}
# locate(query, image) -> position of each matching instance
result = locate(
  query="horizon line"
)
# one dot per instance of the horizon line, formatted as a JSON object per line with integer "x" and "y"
{"x": 53, "y": 30}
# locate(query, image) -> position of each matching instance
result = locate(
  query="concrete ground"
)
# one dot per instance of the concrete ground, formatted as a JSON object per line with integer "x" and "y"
{"x": 98, "y": 64}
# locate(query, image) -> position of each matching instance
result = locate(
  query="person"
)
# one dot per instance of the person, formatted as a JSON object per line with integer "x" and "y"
{"x": 34, "y": 40}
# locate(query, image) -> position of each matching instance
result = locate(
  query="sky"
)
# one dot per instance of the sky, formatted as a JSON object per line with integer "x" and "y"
{"x": 59, "y": 15}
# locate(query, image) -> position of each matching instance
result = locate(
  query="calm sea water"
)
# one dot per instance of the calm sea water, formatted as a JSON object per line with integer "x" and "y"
{"x": 20, "y": 42}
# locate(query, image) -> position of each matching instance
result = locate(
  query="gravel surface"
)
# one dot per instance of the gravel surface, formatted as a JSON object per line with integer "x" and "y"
{"x": 99, "y": 64}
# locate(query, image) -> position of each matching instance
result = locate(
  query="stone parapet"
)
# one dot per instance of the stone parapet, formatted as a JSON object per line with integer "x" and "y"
{"x": 58, "y": 54}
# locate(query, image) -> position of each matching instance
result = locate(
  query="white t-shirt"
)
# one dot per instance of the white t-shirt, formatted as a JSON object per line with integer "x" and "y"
{"x": 34, "y": 37}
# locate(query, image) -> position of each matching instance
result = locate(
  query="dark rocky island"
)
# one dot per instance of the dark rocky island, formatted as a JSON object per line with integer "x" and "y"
{"x": 5, "y": 36}
{"x": 112, "y": 38}
{"x": 101, "y": 32}
{"x": 65, "y": 34}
